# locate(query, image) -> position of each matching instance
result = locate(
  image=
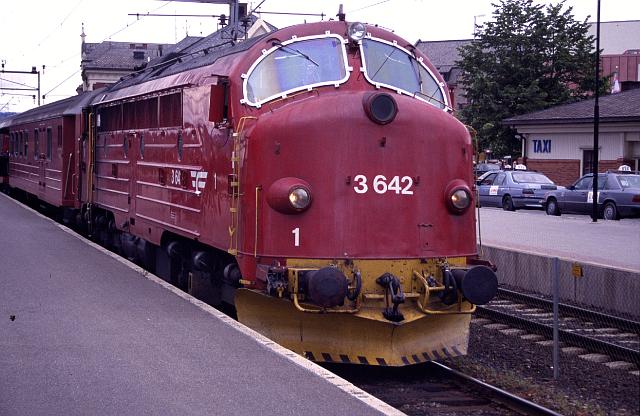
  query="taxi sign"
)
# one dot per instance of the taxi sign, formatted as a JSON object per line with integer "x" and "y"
{"x": 519, "y": 166}
{"x": 625, "y": 168}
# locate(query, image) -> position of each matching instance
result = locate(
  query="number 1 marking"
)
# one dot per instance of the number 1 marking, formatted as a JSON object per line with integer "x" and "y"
{"x": 296, "y": 237}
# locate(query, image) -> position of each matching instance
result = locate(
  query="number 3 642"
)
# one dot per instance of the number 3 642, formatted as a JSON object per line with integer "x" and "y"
{"x": 380, "y": 184}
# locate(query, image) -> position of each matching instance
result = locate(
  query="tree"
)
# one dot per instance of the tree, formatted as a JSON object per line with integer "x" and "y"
{"x": 528, "y": 57}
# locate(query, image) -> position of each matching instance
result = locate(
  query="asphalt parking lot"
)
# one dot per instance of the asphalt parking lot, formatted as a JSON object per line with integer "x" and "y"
{"x": 576, "y": 237}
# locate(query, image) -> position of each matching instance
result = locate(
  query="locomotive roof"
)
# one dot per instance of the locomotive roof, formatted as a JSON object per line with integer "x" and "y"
{"x": 201, "y": 52}
{"x": 68, "y": 106}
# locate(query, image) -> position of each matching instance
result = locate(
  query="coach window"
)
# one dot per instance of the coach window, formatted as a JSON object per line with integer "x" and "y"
{"x": 295, "y": 65}
{"x": 59, "y": 136}
{"x": 19, "y": 145}
{"x": 36, "y": 143}
{"x": 388, "y": 65}
{"x": 170, "y": 110}
{"x": 49, "y": 144}
{"x": 26, "y": 144}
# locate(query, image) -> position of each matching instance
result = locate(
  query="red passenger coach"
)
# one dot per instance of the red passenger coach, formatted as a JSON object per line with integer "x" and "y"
{"x": 4, "y": 155}
{"x": 44, "y": 146}
{"x": 313, "y": 177}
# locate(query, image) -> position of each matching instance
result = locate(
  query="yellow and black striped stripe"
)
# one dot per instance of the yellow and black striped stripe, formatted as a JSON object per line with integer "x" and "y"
{"x": 434, "y": 355}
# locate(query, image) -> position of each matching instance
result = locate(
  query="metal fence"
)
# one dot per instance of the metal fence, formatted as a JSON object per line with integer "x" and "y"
{"x": 572, "y": 309}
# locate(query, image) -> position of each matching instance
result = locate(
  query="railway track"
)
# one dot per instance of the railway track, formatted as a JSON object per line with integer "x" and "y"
{"x": 435, "y": 389}
{"x": 616, "y": 337}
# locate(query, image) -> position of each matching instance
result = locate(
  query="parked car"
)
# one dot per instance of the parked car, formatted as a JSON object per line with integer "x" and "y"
{"x": 482, "y": 168}
{"x": 513, "y": 189}
{"x": 618, "y": 196}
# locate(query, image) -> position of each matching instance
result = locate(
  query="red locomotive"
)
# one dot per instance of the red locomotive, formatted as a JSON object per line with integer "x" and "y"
{"x": 312, "y": 176}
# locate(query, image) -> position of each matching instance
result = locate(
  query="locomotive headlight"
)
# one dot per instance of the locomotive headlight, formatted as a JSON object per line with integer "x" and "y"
{"x": 289, "y": 195}
{"x": 300, "y": 198}
{"x": 460, "y": 199}
{"x": 356, "y": 31}
{"x": 458, "y": 196}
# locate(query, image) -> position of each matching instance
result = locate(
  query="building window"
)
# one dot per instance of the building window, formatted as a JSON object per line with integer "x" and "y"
{"x": 587, "y": 161}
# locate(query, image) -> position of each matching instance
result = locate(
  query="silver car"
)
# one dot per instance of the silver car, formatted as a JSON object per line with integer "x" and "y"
{"x": 618, "y": 196}
{"x": 513, "y": 189}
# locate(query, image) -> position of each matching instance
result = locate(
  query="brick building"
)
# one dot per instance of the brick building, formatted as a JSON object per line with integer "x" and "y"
{"x": 558, "y": 141}
{"x": 625, "y": 68}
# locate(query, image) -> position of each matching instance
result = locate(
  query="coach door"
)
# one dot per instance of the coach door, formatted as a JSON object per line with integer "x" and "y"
{"x": 38, "y": 164}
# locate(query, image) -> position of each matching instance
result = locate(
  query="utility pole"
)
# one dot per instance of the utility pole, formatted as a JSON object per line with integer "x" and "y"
{"x": 596, "y": 123}
{"x": 33, "y": 71}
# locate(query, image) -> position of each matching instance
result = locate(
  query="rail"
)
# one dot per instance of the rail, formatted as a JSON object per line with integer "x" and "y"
{"x": 604, "y": 347}
{"x": 621, "y": 323}
{"x": 503, "y": 397}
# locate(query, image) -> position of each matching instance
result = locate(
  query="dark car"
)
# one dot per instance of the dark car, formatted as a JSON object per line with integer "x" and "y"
{"x": 482, "y": 168}
{"x": 513, "y": 189}
{"x": 618, "y": 196}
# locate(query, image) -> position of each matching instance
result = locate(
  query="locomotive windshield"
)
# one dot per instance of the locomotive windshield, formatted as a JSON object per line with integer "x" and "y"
{"x": 390, "y": 66}
{"x": 296, "y": 65}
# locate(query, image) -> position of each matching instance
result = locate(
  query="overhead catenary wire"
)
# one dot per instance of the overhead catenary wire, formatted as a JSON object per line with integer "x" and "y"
{"x": 128, "y": 25}
{"x": 366, "y": 7}
{"x": 61, "y": 82}
{"x": 257, "y": 7}
{"x": 15, "y": 82}
{"x": 60, "y": 63}
{"x": 56, "y": 28}
{"x": 5, "y": 105}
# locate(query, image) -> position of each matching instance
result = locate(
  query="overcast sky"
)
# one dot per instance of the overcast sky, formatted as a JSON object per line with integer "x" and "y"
{"x": 36, "y": 32}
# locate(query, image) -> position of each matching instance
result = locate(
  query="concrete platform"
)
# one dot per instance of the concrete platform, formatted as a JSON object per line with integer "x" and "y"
{"x": 83, "y": 332}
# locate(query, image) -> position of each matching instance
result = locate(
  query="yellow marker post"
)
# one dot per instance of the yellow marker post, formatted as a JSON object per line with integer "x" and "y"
{"x": 576, "y": 270}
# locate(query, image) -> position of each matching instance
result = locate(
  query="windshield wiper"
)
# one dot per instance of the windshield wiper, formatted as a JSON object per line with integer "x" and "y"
{"x": 295, "y": 52}
{"x": 417, "y": 70}
{"x": 432, "y": 97}
{"x": 383, "y": 62}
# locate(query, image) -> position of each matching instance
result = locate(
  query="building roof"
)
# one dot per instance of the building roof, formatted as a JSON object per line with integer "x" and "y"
{"x": 121, "y": 55}
{"x": 624, "y": 106}
{"x": 203, "y": 51}
{"x": 443, "y": 54}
